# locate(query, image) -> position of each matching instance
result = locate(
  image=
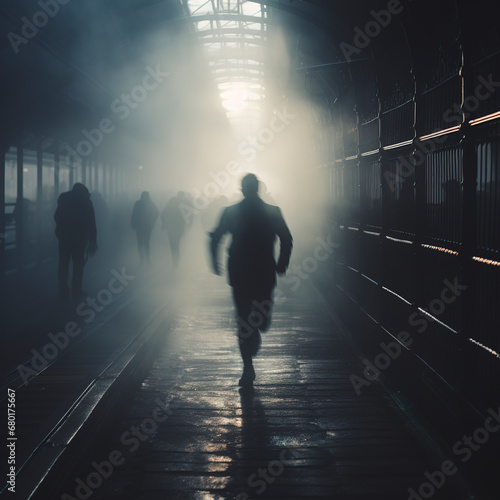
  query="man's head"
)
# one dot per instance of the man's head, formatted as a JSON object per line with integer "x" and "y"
{"x": 80, "y": 190}
{"x": 145, "y": 196}
{"x": 250, "y": 186}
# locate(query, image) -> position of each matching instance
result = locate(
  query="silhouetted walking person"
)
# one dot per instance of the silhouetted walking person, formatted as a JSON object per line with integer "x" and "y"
{"x": 77, "y": 234}
{"x": 252, "y": 268}
{"x": 174, "y": 222}
{"x": 143, "y": 220}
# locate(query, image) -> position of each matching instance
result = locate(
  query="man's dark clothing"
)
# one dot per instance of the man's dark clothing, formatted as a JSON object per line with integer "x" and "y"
{"x": 71, "y": 250}
{"x": 76, "y": 231}
{"x": 175, "y": 224}
{"x": 143, "y": 219}
{"x": 252, "y": 268}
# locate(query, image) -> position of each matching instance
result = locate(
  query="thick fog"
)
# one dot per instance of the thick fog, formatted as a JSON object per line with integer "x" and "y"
{"x": 171, "y": 114}
{"x": 178, "y": 126}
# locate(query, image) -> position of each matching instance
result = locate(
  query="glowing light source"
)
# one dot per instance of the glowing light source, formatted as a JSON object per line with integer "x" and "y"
{"x": 235, "y": 99}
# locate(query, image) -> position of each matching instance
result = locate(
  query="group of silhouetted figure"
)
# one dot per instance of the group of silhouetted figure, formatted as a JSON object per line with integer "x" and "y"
{"x": 76, "y": 230}
{"x": 173, "y": 222}
{"x": 252, "y": 268}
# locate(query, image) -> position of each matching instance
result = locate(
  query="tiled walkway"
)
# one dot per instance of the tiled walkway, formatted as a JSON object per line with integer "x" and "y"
{"x": 302, "y": 433}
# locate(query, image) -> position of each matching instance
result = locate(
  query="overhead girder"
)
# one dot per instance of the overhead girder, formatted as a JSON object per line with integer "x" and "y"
{"x": 227, "y": 66}
{"x": 224, "y": 17}
{"x": 334, "y": 27}
{"x": 233, "y": 31}
{"x": 258, "y": 42}
{"x": 231, "y": 54}
{"x": 332, "y": 24}
{"x": 236, "y": 78}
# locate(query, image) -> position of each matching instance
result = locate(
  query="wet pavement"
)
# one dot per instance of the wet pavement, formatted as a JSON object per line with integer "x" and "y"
{"x": 301, "y": 433}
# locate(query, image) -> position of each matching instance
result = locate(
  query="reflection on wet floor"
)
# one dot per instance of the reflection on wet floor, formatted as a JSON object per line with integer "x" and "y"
{"x": 301, "y": 432}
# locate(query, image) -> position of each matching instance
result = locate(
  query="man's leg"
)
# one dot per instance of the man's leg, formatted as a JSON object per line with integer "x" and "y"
{"x": 140, "y": 243}
{"x": 64, "y": 256}
{"x": 248, "y": 335}
{"x": 262, "y": 307}
{"x": 78, "y": 254}
{"x": 175, "y": 246}
{"x": 147, "y": 237}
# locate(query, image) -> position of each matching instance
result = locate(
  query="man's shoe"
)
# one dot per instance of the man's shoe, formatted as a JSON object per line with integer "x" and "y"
{"x": 246, "y": 381}
{"x": 248, "y": 377}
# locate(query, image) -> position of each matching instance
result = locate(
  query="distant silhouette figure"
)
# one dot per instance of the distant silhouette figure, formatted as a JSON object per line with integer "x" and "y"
{"x": 252, "y": 269}
{"x": 175, "y": 219}
{"x": 77, "y": 234}
{"x": 143, "y": 220}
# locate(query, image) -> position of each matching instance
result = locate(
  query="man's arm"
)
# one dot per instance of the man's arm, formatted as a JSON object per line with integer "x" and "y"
{"x": 286, "y": 243}
{"x": 215, "y": 237}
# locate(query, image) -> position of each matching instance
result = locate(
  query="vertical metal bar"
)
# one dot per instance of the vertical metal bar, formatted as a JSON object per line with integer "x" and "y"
{"x": 71, "y": 172}
{"x": 104, "y": 179}
{"x": 89, "y": 169}
{"x": 97, "y": 168}
{"x": 19, "y": 208}
{"x": 39, "y": 198}
{"x": 56, "y": 170}
{"x": 3, "y": 151}
{"x": 84, "y": 171}
{"x": 469, "y": 210}
{"x": 39, "y": 175}
{"x": 483, "y": 208}
{"x": 420, "y": 214}
{"x": 495, "y": 187}
{"x": 490, "y": 221}
{"x": 111, "y": 192}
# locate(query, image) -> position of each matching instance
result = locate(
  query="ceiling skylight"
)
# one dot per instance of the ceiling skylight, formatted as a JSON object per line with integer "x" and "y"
{"x": 234, "y": 45}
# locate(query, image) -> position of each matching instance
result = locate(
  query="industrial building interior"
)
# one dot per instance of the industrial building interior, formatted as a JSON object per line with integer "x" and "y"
{"x": 375, "y": 126}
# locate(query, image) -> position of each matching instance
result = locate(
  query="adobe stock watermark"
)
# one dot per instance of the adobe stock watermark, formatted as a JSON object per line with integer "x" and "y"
{"x": 61, "y": 340}
{"x": 464, "y": 448}
{"x": 222, "y": 179}
{"x": 309, "y": 265}
{"x": 48, "y": 10}
{"x": 259, "y": 318}
{"x": 372, "y": 29}
{"x": 250, "y": 148}
{"x": 391, "y": 351}
{"x": 452, "y": 116}
{"x": 266, "y": 476}
{"x": 131, "y": 440}
{"x": 121, "y": 108}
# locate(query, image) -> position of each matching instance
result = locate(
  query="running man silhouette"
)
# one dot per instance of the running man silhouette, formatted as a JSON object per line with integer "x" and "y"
{"x": 252, "y": 268}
